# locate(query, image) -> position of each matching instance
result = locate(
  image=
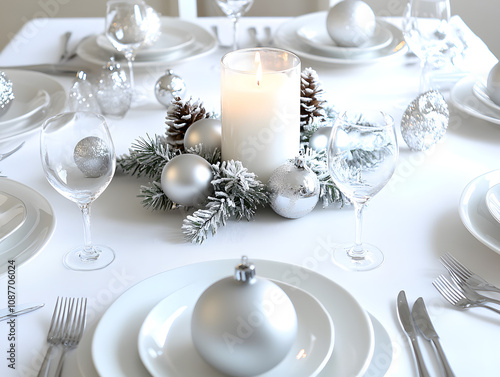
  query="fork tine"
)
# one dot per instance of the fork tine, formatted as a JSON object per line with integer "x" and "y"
{"x": 458, "y": 267}
{"x": 440, "y": 288}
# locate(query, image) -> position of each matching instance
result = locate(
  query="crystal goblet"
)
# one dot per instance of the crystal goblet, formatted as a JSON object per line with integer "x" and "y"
{"x": 234, "y": 9}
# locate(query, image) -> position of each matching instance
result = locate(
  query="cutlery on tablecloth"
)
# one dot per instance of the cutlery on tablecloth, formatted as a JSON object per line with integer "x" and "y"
{"x": 64, "y": 46}
{"x": 18, "y": 310}
{"x": 252, "y": 32}
{"x": 55, "y": 69}
{"x": 424, "y": 324}
{"x": 406, "y": 321}
{"x": 472, "y": 279}
{"x": 3, "y": 156}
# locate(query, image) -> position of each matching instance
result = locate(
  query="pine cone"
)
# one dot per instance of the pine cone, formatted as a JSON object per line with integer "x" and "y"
{"x": 310, "y": 97}
{"x": 179, "y": 117}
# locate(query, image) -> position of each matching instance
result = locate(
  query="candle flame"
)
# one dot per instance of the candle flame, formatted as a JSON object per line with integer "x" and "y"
{"x": 258, "y": 74}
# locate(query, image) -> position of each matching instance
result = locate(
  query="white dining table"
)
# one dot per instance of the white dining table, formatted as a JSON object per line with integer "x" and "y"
{"x": 414, "y": 219}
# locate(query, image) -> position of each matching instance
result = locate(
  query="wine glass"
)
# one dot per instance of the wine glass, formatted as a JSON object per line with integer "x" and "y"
{"x": 362, "y": 155}
{"x": 78, "y": 158}
{"x": 234, "y": 9}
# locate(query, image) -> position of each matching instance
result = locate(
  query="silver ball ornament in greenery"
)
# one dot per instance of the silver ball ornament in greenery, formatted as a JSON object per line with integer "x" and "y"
{"x": 319, "y": 139}
{"x": 92, "y": 157}
{"x": 186, "y": 180}
{"x": 244, "y": 325}
{"x": 350, "y": 23}
{"x": 168, "y": 87}
{"x": 293, "y": 189}
{"x": 205, "y": 131}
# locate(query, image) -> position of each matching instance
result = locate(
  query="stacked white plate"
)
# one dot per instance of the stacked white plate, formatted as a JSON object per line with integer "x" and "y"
{"x": 37, "y": 97}
{"x": 146, "y": 331}
{"x": 307, "y": 36}
{"x": 179, "y": 41}
{"x": 480, "y": 209}
{"x": 470, "y": 95}
{"x": 31, "y": 224}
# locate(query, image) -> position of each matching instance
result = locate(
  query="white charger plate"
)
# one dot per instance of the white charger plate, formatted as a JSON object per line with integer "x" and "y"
{"x": 463, "y": 98}
{"x": 166, "y": 348}
{"x": 474, "y": 212}
{"x": 114, "y": 343}
{"x": 31, "y": 82}
{"x": 316, "y": 35}
{"x": 35, "y": 231}
{"x": 203, "y": 43}
{"x": 12, "y": 214}
{"x": 286, "y": 38}
{"x": 493, "y": 202}
{"x": 27, "y": 103}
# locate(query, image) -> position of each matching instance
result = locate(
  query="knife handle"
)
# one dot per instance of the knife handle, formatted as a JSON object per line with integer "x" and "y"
{"x": 444, "y": 361}
{"x": 422, "y": 370}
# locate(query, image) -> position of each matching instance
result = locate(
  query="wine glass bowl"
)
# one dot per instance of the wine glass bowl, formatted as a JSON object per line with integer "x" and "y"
{"x": 78, "y": 158}
{"x": 234, "y": 10}
{"x": 362, "y": 155}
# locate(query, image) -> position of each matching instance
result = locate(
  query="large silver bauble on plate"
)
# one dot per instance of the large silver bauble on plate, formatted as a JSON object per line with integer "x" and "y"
{"x": 186, "y": 180}
{"x": 243, "y": 325}
{"x": 168, "y": 87}
{"x": 319, "y": 139}
{"x": 350, "y": 23}
{"x": 293, "y": 190}
{"x": 493, "y": 84}
{"x": 91, "y": 156}
{"x": 6, "y": 93}
{"x": 205, "y": 131}
{"x": 425, "y": 121}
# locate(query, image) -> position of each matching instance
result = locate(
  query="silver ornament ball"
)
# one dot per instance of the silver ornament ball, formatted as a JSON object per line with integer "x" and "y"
{"x": 493, "y": 84}
{"x": 168, "y": 87}
{"x": 425, "y": 121}
{"x": 293, "y": 190}
{"x": 350, "y": 23}
{"x": 244, "y": 325}
{"x": 319, "y": 139}
{"x": 186, "y": 180}
{"x": 92, "y": 157}
{"x": 205, "y": 131}
{"x": 6, "y": 93}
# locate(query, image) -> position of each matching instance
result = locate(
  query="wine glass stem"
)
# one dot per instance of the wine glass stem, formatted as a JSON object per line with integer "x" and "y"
{"x": 357, "y": 251}
{"x": 235, "y": 33}
{"x": 130, "y": 62}
{"x": 88, "y": 253}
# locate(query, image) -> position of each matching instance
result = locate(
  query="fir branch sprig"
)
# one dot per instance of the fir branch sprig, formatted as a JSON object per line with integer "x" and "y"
{"x": 155, "y": 199}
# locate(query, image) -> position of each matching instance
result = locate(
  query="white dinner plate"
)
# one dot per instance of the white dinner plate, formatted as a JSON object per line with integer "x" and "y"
{"x": 316, "y": 35}
{"x": 286, "y": 37}
{"x": 474, "y": 211}
{"x": 35, "y": 231}
{"x": 202, "y": 44}
{"x": 493, "y": 202}
{"x": 481, "y": 92}
{"x": 167, "y": 350}
{"x": 12, "y": 214}
{"x": 463, "y": 98}
{"x": 29, "y": 83}
{"x": 27, "y": 103}
{"x": 171, "y": 39}
{"x": 114, "y": 343}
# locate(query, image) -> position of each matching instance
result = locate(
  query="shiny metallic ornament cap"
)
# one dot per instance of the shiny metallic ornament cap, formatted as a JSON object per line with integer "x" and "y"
{"x": 112, "y": 65}
{"x": 245, "y": 271}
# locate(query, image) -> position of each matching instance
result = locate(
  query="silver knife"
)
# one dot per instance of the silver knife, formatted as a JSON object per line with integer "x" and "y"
{"x": 423, "y": 322}
{"x": 18, "y": 310}
{"x": 407, "y": 324}
{"x": 54, "y": 69}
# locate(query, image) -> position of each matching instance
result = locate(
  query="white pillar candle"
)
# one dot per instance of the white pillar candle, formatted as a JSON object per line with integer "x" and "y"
{"x": 260, "y": 108}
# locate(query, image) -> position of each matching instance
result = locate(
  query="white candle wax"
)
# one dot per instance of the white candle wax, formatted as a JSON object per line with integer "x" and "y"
{"x": 260, "y": 112}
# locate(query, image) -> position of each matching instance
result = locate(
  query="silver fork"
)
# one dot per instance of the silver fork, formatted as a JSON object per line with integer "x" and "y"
{"x": 455, "y": 297}
{"x": 73, "y": 331}
{"x": 55, "y": 333}
{"x": 467, "y": 276}
{"x": 7, "y": 154}
{"x": 471, "y": 293}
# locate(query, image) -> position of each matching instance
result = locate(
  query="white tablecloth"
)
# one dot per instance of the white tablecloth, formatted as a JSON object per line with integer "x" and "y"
{"x": 413, "y": 220}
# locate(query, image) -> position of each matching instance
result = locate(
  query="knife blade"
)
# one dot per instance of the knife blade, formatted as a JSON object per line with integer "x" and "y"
{"x": 18, "y": 310}
{"x": 54, "y": 69}
{"x": 406, "y": 321}
{"x": 424, "y": 324}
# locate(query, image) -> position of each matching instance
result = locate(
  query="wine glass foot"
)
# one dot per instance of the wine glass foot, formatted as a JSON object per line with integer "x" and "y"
{"x": 371, "y": 258}
{"x": 74, "y": 259}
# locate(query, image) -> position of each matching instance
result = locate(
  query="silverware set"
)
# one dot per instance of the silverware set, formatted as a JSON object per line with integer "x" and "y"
{"x": 66, "y": 330}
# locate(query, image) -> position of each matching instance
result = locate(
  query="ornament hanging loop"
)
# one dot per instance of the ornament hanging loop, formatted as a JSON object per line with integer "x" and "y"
{"x": 245, "y": 271}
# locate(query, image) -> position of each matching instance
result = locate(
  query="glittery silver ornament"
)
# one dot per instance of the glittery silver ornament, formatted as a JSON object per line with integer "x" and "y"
{"x": 6, "y": 93}
{"x": 350, "y": 23}
{"x": 92, "y": 156}
{"x": 114, "y": 94}
{"x": 205, "y": 131}
{"x": 168, "y": 87}
{"x": 319, "y": 139}
{"x": 244, "y": 325}
{"x": 425, "y": 121}
{"x": 493, "y": 84}
{"x": 293, "y": 189}
{"x": 186, "y": 180}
